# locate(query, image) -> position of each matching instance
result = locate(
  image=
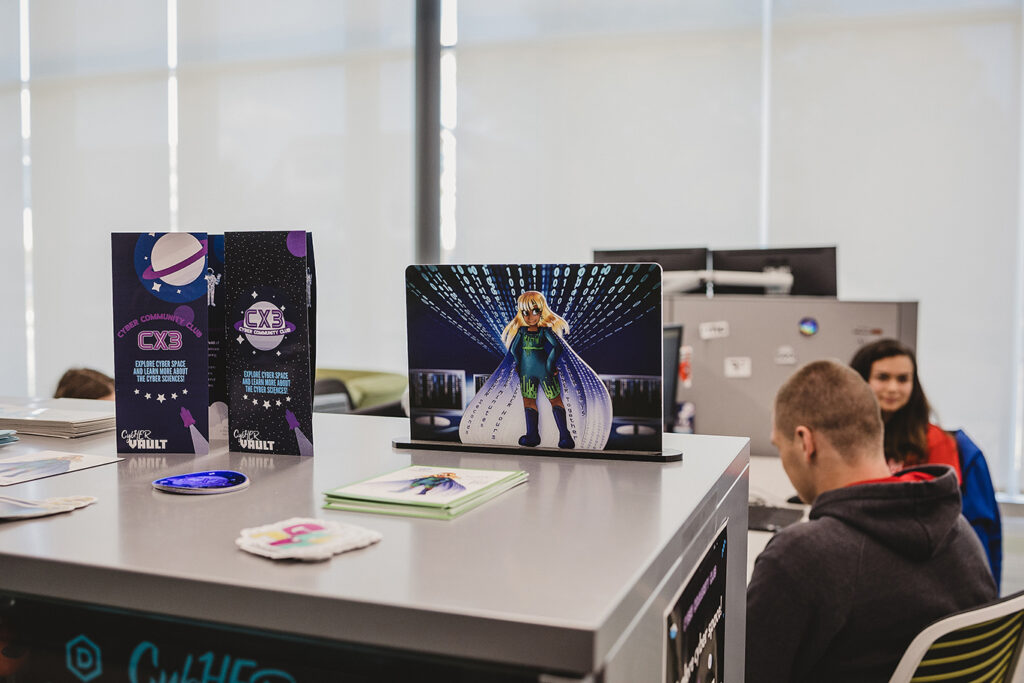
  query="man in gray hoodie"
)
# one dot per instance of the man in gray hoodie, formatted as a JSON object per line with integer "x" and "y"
{"x": 840, "y": 597}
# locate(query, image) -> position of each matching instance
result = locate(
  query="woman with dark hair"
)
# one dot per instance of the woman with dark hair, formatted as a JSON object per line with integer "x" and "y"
{"x": 910, "y": 438}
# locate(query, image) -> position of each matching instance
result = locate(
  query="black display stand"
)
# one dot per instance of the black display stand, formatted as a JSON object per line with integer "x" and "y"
{"x": 665, "y": 455}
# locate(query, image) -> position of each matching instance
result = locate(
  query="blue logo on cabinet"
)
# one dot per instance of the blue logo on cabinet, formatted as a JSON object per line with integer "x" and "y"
{"x": 83, "y": 658}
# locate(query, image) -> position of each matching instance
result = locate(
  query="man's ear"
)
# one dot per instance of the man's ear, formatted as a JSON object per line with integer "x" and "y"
{"x": 805, "y": 437}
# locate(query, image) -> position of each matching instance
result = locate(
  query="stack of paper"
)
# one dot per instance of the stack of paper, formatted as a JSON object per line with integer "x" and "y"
{"x": 422, "y": 491}
{"x": 51, "y": 418}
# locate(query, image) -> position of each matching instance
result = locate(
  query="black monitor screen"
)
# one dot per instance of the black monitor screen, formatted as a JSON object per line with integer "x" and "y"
{"x": 436, "y": 389}
{"x": 689, "y": 258}
{"x": 634, "y": 396}
{"x": 671, "y": 338}
{"x": 813, "y": 268}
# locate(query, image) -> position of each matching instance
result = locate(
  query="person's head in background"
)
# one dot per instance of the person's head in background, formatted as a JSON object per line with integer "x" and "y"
{"x": 85, "y": 383}
{"x": 828, "y": 429}
{"x": 890, "y": 369}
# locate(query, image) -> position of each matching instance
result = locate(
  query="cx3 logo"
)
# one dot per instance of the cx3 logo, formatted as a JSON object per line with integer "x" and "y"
{"x": 269, "y": 318}
{"x": 157, "y": 340}
{"x": 83, "y": 658}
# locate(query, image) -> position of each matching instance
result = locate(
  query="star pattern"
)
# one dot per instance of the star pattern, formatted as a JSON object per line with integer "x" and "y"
{"x": 148, "y": 396}
{"x": 260, "y": 262}
{"x": 174, "y": 396}
{"x": 160, "y": 397}
{"x": 156, "y": 286}
{"x": 136, "y": 392}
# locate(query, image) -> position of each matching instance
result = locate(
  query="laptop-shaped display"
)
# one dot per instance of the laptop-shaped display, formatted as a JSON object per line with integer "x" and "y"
{"x": 563, "y": 358}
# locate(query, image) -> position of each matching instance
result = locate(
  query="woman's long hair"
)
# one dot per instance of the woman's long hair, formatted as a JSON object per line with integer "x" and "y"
{"x": 906, "y": 430}
{"x": 548, "y": 318}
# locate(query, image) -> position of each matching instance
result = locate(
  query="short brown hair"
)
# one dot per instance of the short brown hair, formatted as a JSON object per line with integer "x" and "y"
{"x": 84, "y": 383}
{"x": 829, "y": 397}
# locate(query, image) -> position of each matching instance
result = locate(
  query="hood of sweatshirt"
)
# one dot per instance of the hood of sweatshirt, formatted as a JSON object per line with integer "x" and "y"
{"x": 912, "y": 518}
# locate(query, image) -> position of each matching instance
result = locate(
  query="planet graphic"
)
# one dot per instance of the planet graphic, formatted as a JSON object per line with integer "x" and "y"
{"x": 177, "y": 259}
{"x": 263, "y": 324}
{"x": 296, "y": 242}
{"x": 185, "y": 313}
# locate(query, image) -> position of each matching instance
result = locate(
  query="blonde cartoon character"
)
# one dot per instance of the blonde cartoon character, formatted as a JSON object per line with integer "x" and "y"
{"x": 539, "y": 367}
{"x": 531, "y": 339}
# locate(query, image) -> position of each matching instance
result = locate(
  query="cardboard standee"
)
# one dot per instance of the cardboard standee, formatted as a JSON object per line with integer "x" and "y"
{"x": 552, "y": 359}
{"x": 160, "y": 342}
{"x": 269, "y": 347}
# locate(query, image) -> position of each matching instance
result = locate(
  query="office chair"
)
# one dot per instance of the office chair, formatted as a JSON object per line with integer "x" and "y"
{"x": 981, "y": 644}
{"x": 364, "y": 388}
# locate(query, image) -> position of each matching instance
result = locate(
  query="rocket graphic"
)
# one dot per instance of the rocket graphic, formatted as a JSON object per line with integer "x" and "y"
{"x": 305, "y": 447}
{"x": 200, "y": 445}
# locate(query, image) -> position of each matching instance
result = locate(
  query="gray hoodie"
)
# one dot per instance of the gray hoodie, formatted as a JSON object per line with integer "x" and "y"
{"x": 840, "y": 597}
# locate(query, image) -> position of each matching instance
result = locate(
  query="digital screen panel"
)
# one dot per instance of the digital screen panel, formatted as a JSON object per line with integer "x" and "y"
{"x": 54, "y": 642}
{"x": 695, "y": 625}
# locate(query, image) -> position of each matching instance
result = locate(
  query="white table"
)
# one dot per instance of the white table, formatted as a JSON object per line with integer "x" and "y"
{"x": 569, "y": 574}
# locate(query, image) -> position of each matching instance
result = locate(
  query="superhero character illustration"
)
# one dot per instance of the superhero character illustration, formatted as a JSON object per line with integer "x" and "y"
{"x": 442, "y": 481}
{"x": 531, "y": 339}
{"x": 540, "y": 367}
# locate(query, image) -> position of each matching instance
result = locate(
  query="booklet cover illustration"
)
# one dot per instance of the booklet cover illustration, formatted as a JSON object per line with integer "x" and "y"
{"x": 268, "y": 350}
{"x": 424, "y": 491}
{"x": 160, "y": 342}
{"x": 560, "y": 356}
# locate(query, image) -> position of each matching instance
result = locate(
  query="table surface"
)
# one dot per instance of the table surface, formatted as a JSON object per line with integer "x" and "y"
{"x": 535, "y": 576}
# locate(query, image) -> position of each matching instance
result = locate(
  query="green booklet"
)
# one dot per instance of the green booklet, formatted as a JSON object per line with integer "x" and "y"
{"x": 424, "y": 491}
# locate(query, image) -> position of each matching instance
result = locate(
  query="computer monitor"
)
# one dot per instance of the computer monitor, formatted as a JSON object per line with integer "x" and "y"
{"x": 671, "y": 339}
{"x": 688, "y": 258}
{"x": 813, "y": 268}
{"x": 634, "y": 397}
{"x": 436, "y": 389}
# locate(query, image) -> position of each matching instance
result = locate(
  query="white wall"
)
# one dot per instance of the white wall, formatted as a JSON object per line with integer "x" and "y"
{"x": 99, "y": 164}
{"x": 569, "y": 141}
{"x": 896, "y": 138}
{"x": 290, "y": 115}
{"x": 300, "y": 117}
{"x": 13, "y": 376}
